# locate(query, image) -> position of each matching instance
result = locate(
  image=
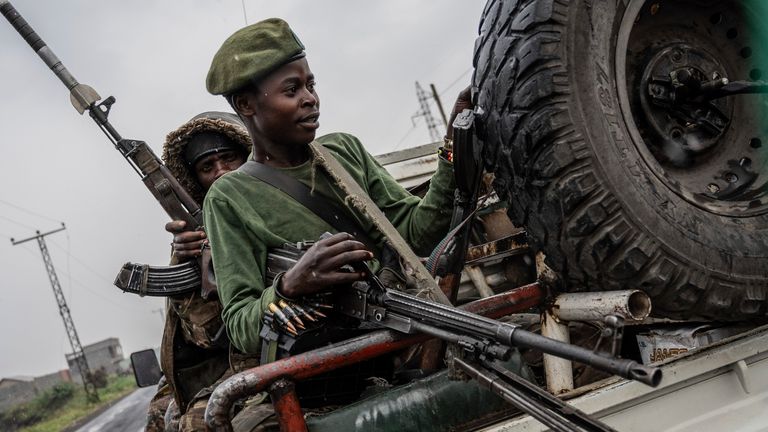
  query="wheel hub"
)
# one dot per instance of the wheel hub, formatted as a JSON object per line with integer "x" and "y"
{"x": 702, "y": 142}
{"x": 686, "y": 127}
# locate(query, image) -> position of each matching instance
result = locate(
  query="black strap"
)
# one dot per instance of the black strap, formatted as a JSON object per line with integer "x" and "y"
{"x": 326, "y": 210}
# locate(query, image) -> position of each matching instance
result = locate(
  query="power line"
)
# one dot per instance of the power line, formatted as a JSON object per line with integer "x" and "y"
{"x": 96, "y": 273}
{"x": 96, "y": 293}
{"x": 29, "y": 211}
{"x": 82, "y": 263}
{"x": 453, "y": 83}
{"x": 413, "y": 127}
{"x": 18, "y": 223}
{"x": 100, "y": 295}
{"x": 245, "y": 15}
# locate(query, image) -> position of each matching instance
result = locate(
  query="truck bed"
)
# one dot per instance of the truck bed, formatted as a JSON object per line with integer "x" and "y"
{"x": 722, "y": 387}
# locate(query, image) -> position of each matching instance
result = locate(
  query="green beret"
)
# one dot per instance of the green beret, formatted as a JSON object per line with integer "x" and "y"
{"x": 251, "y": 53}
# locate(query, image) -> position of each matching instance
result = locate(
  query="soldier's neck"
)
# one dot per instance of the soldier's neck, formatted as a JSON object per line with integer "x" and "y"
{"x": 281, "y": 157}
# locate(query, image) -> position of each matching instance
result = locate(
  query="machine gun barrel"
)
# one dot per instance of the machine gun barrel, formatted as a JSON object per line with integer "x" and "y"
{"x": 454, "y": 320}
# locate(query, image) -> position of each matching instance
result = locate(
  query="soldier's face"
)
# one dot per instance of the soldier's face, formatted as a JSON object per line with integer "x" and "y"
{"x": 215, "y": 165}
{"x": 286, "y": 106}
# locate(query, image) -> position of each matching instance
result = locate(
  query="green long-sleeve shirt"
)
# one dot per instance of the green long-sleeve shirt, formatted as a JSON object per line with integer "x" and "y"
{"x": 245, "y": 217}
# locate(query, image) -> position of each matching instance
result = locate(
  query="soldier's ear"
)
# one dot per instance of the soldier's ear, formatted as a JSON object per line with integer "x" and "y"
{"x": 244, "y": 103}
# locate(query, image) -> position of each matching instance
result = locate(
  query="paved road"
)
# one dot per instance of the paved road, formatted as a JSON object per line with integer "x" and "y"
{"x": 128, "y": 415}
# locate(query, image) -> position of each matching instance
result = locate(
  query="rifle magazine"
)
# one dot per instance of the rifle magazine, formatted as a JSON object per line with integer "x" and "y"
{"x": 159, "y": 281}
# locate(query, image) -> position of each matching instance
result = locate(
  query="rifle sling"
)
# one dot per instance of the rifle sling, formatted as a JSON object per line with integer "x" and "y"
{"x": 425, "y": 283}
{"x": 324, "y": 209}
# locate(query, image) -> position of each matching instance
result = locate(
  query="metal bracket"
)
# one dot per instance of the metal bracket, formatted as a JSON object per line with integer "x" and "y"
{"x": 741, "y": 370}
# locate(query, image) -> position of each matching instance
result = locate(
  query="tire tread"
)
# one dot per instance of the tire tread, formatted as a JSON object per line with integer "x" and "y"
{"x": 542, "y": 160}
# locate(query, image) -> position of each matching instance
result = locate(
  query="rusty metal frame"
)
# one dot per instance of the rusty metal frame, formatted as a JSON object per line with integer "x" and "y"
{"x": 355, "y": 350}
{"x": 510, "y": 245}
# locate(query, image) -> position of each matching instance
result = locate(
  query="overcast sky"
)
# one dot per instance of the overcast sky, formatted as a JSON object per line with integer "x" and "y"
{"x": 153, "y": 57}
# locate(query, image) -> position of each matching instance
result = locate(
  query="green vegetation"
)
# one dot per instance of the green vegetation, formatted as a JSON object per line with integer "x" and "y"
{"x": 63, "y": 406}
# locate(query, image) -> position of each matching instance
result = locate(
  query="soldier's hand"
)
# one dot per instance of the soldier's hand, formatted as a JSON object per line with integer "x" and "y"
{"x": 463, "y": 101}
{"x": 320, "y": 268}
{"x": 186, "y": 244}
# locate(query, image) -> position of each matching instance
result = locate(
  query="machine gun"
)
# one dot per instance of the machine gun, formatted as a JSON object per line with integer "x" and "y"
{"x": 175, "y": 200}
{"x": 484, "y": 343}
{"x": 371, "y": 301}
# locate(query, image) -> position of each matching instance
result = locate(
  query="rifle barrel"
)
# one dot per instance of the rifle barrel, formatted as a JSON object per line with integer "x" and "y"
{"x": 452, "y": 319}
{"x": 81, "y": 95}
{"x": 36, "y": 42}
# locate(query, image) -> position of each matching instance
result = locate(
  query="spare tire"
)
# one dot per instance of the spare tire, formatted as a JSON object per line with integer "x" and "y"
{"x": 608, "y": 128}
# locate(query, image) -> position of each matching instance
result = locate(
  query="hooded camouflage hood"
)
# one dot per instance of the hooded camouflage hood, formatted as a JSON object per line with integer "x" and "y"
{"x": 227, "y": 124}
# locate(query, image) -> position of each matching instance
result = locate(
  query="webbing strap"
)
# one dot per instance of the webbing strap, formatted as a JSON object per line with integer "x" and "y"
{"x": 300, "y": 192}
{"x": 359, "y": 199}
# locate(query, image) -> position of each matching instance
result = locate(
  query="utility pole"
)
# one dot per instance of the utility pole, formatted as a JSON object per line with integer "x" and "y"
{"x": 427, "y": 113}
{"x": 439, "y": 103}
{"x": 69, "y": 325}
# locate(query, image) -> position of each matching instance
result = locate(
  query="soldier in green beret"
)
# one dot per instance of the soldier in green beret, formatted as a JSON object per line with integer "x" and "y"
{"x": 263, "y": 72}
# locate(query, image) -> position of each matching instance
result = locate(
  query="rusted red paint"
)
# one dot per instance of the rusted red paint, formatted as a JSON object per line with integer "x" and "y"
{"x": 432, "y": 353}
{"x": 514, "y": 301}
{"x": 345, "y": 353}
{"x": 449, "y": 285}
{"x": 287, "y": 407}
{"x": 298, "y": 367}
{"x": 510, "y": 245}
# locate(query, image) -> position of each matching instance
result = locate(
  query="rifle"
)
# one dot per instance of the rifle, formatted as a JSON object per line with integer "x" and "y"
{"x": 175, "y": 200}
{"x": 483, "y": 342}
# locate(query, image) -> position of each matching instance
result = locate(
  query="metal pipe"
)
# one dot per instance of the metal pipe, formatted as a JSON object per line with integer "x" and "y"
{"x": 348, "y": 352}
{"x": 287, "y": 407}
{"x": 478, "y": 279}
{"x": 632, "y": 305}
{"x": 557, "y": 370}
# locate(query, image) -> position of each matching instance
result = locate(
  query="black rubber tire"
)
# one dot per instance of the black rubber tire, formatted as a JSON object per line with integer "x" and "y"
{"x": 545, "y": 90}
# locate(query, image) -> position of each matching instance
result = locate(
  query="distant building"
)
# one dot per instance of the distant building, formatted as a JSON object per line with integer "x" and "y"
{"x": 106, "y": 354}
{"x": 21, "y": 389}
{"x": 45, "y": 382}
{"x": 16, "y": 390}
